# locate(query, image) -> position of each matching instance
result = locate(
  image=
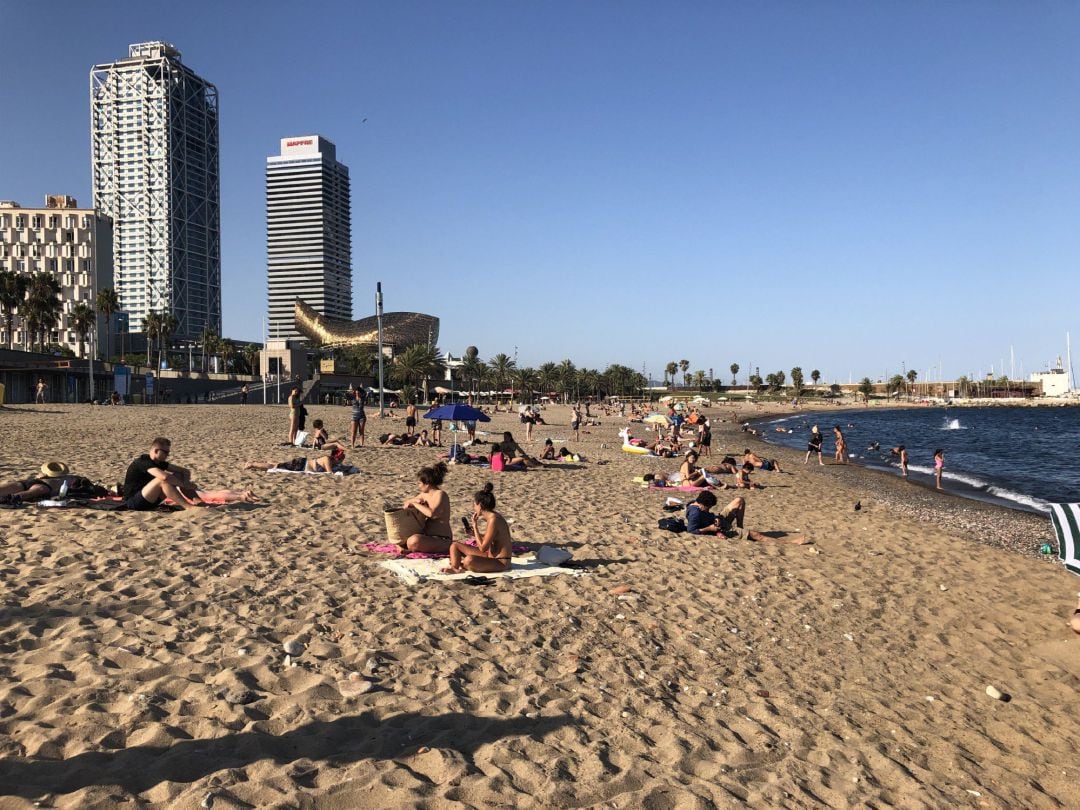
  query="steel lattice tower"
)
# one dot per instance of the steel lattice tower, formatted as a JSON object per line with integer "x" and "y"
{"x": 154, "y": 144}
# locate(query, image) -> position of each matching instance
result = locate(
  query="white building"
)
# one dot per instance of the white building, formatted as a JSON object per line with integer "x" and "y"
{"x": 1055, "y": 382}
{"x": 71, "y": 243}
{"x": 308, "y": 232}
{"x": 154, "y": 147}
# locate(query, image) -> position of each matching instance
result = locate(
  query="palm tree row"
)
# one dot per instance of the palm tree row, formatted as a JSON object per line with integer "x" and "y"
{"x": 35, "y": 298}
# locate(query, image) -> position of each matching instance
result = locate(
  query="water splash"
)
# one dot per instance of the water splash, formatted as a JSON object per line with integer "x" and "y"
{"x": 953, "y": 424}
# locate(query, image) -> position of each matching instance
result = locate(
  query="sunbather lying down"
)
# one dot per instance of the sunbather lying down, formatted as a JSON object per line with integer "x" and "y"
{"x": 324, "y": 464}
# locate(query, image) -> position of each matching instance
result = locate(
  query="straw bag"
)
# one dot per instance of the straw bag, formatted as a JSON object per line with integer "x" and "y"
{"x": 401, "y": 524}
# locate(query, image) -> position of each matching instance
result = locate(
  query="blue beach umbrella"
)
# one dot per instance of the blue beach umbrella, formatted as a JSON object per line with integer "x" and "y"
{"x": 458, "y": 413}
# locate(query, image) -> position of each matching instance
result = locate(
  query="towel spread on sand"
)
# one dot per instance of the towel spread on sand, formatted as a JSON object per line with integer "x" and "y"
{"x": 680, "y": 488}
{"x": 415, "y": 571}
{"x": 392, "y": 548}
{"x": 340, "y": 471}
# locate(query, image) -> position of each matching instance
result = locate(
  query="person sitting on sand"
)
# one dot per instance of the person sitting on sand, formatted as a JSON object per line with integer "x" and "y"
{"x": 690, "y": 474}
{"x": 322, "y": 464}
{"x": 319, "y": 436}
{"x": 493, "y": 548}
{"x": 150, "y": 479}
{"x": 432, "y": 505}
{"x": 548, "y": 453}
{"x": 501, "y": 462}
{"x": 514, "y": 452}
{"x": 766, "y": 464}
{"x": 700, "y": 520}
{"x": 742, "y": 477}
{"x": 422, "y": 440}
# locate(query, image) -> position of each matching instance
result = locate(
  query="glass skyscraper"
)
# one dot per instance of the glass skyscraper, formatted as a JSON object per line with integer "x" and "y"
{"x": 154, "y": 144}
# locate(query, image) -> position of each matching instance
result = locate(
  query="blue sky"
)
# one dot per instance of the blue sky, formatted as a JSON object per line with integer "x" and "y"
{"x": 842, "y": 186}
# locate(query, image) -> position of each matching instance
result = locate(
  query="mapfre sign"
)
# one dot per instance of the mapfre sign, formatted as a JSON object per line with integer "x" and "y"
{"x": 300, "y": 145}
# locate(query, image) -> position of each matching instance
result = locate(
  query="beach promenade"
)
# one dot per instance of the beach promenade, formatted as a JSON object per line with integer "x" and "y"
{"x": 142, "y": 660}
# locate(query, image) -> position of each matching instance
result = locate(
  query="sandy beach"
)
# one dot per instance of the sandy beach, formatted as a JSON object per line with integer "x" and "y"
{"x": 143, "y": 663}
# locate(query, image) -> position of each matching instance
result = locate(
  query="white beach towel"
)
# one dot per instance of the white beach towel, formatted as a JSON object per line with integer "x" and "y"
{"x": 415, "y": 571}
{"x": 340, "y": 471}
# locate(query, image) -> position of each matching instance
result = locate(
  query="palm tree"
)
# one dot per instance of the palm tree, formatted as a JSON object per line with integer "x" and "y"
{"x": 684, "y": 366}
{"x": 525, "y": 380}
{"x": 472, "y": 370}
{"x": 214, "y": 345}
{"x": 206, "y": 337}
{"x": 228, "y": 351}
{"x": 734, "y": 371}
{"x": 548, "y": 375}
{"x": 152, "y": 328}
{"x": 669, "y": 372}
{"x": 416, "y": 363}
{"x": 911, "y": 377}
{"x": 567, "y": 378}
{"x": 588, "y": 379}
{"x": 166, "y": 329}
{"x": 108, "y": 302}
{"x": 797, "y": 380}
{"x": 83, "y": 321}
{"x": 43, "y": 304}
{"x": 896, "y": 384}
{"x": 815, "y": 375}
{"x": 501, "y": 366}
{"x": 699, "y": 380}
{"x": 251, "y": 356}
{"x": 12, "y": 297}
{"x": 866, "y": 388}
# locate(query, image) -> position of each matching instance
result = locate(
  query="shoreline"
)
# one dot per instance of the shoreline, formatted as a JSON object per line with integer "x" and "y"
{"x": 991, "y": 522}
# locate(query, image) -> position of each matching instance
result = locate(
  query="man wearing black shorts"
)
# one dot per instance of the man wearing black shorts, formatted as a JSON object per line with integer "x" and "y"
{"x": 150, "y": 479}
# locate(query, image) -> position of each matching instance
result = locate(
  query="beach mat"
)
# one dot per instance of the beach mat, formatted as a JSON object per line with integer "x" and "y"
{"x": 413, "y": 572}
{"x": 339, "y": 472}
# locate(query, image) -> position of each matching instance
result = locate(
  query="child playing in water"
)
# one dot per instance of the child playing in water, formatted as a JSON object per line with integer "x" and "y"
{"x": 939, "y": 463}
{"x": 492, "y": 552}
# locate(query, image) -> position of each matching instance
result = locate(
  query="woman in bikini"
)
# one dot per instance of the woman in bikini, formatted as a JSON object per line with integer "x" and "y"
{"x": 841, "y": 446}
{"x": 433, "y": 506}
{"x": 493, "y": 550}
{"x": 690, "y": 475}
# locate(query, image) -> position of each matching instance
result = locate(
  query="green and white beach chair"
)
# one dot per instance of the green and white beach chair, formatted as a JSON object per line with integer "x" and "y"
{"x": 1066, "y": 520}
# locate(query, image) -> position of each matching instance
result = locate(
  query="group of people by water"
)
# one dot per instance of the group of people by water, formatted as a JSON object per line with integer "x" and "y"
{"x": 814, "y": 447}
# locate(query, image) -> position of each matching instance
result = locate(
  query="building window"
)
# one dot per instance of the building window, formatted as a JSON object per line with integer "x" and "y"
{"x": 35, "y": 221}
{"x": 54, "y": 221}
{"x": 20, "y": 221}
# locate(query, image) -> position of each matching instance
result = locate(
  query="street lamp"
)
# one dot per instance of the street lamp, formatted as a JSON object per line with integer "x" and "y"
{"x": 378, "y": 318}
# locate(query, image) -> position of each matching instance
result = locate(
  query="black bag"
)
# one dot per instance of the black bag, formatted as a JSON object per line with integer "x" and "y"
{"x": 677, "y": 525}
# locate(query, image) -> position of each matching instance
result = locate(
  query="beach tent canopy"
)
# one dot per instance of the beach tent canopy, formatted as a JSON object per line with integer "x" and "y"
{"x": 1066, "y": 520}
{"x": 657, "y": 418}
{"x": 458, "y": 413}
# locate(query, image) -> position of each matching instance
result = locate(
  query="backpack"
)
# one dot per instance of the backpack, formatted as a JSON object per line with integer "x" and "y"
{"x": 670, "y": 524}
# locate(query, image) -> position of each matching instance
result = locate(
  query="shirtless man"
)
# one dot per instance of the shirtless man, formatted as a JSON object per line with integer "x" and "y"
{"x": 700, "y": 520}
{"x": 150, "y": 479}
{"x": 767, "y": 464}
{"x": 493, "y": 550}
{"x": 900, "y": 452}
{"x": 742, "y": 478}
{"x": 410, "y": 418}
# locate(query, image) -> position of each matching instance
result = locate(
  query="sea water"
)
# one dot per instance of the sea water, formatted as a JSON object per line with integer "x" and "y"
{"x": 1024, "y": 457}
